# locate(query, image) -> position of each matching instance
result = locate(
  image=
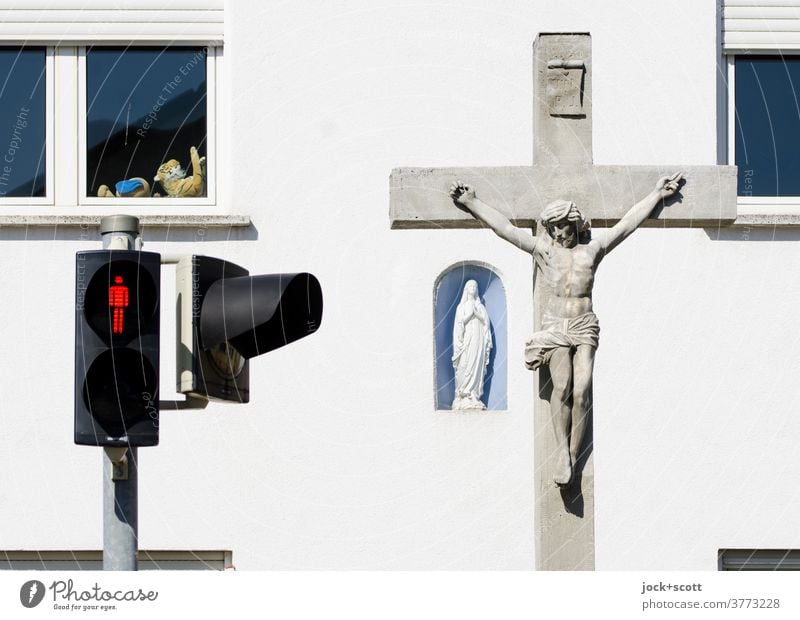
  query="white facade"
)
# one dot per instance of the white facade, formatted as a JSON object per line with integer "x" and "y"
{"x": 340, "y": 460}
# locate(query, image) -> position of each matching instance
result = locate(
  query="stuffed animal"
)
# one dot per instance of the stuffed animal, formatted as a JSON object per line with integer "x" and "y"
{"x": 136, "y": 187}
{"x": 174, "y": 180}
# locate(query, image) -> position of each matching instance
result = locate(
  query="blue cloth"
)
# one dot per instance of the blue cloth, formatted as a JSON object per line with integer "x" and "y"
{"x": 129, "y": 186}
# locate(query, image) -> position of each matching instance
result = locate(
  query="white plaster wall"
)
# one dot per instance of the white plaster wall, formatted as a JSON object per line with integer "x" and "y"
{"x": 340, "y": 461}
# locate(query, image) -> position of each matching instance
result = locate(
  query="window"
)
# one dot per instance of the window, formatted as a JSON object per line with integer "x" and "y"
{"x": 767, "y": 125}
{"x": 93, "y": 560}
{"x": 759, "y": 559}
{"x": 129, "y": 113}
{"x": 115, "y": 92}
{"x": 761, "y": 46}
{"x": 146, "y": 122}
{"x": 23, "y": 108}
{"x": 89, "y": 75}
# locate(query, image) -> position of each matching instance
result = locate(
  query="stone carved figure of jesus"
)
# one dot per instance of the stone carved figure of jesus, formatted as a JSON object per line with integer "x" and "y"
{"x": 568, "y": 258}
{"x": 472, "y": 343}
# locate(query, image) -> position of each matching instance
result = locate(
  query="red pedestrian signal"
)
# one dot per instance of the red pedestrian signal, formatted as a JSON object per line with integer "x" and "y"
{"x": 118, "y": 299}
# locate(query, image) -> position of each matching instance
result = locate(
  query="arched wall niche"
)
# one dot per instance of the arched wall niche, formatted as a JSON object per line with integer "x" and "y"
{"x": 447, "y": 293}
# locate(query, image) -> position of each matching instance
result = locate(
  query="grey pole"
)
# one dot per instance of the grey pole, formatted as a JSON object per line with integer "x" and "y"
{"x": 120, "y": 232}
{"x": 120, "y": 466}
{"x": 120, "y": 509}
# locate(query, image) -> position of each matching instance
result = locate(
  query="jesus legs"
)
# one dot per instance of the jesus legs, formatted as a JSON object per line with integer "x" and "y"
{"x": 583, "y": 365}
{"x": 561, "y": 411}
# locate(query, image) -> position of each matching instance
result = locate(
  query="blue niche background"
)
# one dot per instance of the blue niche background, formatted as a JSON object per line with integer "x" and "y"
{"x": 447, "y": 296}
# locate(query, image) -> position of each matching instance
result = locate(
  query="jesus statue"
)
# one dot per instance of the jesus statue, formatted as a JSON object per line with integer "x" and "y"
{"x": 568, "y": 257}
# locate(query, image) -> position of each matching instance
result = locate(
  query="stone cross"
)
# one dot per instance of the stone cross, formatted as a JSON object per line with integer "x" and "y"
{"x": 562, "y": 154}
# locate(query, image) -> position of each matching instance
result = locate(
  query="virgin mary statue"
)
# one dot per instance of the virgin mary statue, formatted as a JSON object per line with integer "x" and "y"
{"x": 472, "y": 342}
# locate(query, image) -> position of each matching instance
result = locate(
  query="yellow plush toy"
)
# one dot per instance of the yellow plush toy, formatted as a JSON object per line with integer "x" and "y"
{"x": 174, "y": 180}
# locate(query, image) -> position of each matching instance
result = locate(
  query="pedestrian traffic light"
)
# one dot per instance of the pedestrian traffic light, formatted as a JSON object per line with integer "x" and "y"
{"x": 226, "y": 317}
{"x": 116, "y": 347}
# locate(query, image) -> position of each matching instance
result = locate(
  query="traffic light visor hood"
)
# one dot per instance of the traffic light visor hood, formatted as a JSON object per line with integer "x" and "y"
{"x": 257, "y": 314}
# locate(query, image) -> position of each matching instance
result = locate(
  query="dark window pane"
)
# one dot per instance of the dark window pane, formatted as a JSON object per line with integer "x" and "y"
{"x": 22, "y": 122}
{"x": 768, "y": 125}
{"x": 145, "y": 107}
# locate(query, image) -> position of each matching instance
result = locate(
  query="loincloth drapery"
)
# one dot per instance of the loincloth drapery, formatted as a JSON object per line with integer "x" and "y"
{"x": 558, "y": 332}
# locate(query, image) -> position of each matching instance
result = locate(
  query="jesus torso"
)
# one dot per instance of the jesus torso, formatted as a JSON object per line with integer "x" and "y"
{"x": 569, "y": 276}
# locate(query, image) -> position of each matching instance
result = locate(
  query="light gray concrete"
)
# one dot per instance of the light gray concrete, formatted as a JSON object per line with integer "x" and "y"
{"x": 562, "y": 111}
{"x": 420, "y": 199}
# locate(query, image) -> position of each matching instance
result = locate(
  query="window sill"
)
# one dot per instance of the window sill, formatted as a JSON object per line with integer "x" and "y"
{"x": 170, "y": 221}
{"x": 768, "y": 211}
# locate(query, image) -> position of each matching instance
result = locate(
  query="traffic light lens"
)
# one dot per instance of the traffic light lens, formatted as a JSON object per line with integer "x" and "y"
{"x": 226, "y": 360}
{"x": 118, "y": 298}
{"x": 121, "y": 388}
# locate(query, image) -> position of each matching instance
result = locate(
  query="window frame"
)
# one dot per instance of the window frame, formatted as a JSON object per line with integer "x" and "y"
{"x": 753, "y": 205}
{"x": 66, "y": 139}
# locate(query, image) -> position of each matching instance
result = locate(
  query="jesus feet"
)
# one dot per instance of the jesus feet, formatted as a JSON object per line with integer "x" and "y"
{"x": 563, "y": 475}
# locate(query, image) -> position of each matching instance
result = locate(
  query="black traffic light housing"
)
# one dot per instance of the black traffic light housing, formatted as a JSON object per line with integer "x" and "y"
{"x": 117, "y": 295}
{"x": 226, "y": 317}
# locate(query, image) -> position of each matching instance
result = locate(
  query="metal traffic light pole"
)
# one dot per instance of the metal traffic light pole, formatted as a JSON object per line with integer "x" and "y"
{"x": 120, "y": 466}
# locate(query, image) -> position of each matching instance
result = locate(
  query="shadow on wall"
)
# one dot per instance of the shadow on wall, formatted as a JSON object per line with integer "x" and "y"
{"x": 446, "y": 297}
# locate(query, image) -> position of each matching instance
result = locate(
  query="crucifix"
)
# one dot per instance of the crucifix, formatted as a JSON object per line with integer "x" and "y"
{"x": 563, "y": 193}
